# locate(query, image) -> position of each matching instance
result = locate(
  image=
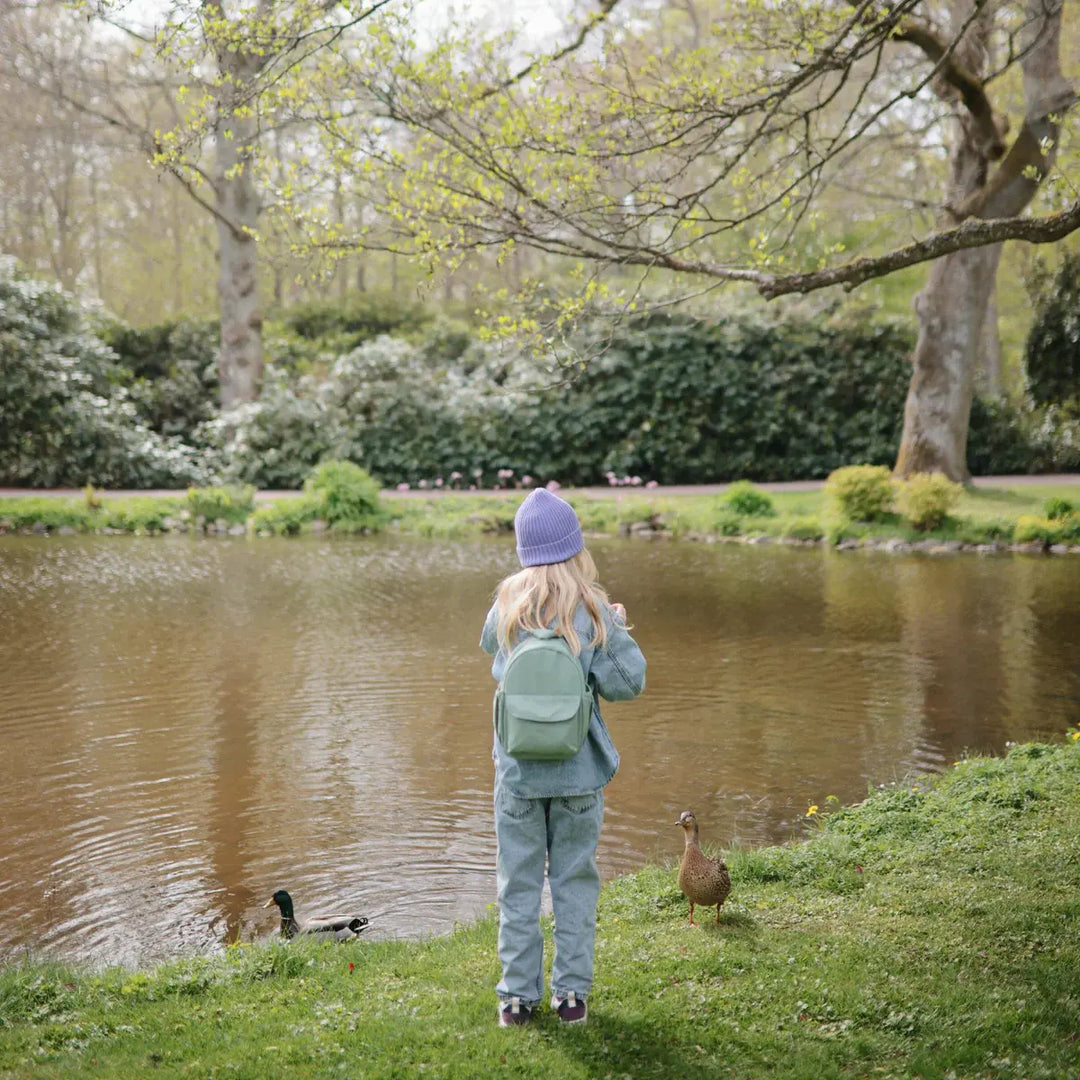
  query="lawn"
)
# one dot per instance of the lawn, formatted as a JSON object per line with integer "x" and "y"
{"x": 930, "y": 931}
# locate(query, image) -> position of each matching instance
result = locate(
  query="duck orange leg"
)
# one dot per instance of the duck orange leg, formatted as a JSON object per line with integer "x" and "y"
{"x": 692, "y": 923}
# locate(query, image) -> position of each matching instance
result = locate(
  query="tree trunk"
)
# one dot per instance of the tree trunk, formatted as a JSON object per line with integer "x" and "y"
{"x": 952, "y": 308}
{"x": 240, "y": 363}
{"x": 241, "y": 358}
{"x": 951, "y": 312}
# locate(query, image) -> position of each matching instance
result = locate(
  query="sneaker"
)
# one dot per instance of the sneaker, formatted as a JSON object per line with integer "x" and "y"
{"x": 571, "y": 1009}
{"x": 513, "y": 1014}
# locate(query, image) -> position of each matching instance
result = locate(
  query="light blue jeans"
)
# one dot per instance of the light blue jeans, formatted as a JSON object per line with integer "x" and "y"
{"x": 562, "y": 832}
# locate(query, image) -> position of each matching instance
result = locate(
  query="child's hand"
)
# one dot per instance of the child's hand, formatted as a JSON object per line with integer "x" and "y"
{"x": 620, "y": 611}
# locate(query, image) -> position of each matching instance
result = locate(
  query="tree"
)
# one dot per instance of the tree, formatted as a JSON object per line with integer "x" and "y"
{"x": 952, "y": 308}
{"x": 724, "y": 160}
{"x": 222, "y": 76}
{"x": 78, "y": 199}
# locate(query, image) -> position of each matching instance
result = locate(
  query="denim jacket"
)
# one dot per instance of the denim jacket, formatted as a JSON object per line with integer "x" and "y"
{"x": 616, "y": 673}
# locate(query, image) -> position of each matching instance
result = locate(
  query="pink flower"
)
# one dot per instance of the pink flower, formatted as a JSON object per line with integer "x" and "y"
{"x": 422, "y": 484}
{"x": 527, "y": 480}
{"x": 652, "y": 484}
{"x": 438, "y": 481}
{"x": 404, "y": 487}
{"x": 553, "y": 485}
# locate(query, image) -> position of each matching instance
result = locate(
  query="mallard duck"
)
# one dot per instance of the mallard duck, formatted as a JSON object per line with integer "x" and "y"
{"x": 335, "y": 927}
{"x": 703, "y": 880}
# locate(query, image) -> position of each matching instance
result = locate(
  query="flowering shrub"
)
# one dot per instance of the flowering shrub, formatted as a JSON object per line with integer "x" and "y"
{"x": 276, "y": 441}
{"x": 65, "y": 417}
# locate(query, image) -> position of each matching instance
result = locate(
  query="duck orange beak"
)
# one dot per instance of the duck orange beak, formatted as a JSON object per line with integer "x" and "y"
{"x": 269, "y": 903}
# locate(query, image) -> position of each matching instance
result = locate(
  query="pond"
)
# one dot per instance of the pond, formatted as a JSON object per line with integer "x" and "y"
{"x": 189, "y": 725}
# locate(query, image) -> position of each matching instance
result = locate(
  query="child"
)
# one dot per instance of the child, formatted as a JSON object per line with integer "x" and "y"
{"x": 552, "y": 810}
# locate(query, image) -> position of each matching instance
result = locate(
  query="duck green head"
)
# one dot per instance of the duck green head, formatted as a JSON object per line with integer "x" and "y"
{"x": 283, "y": 901}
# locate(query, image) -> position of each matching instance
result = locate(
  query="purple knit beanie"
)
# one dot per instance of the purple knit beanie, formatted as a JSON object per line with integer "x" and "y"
{"x": 547, "y": 529}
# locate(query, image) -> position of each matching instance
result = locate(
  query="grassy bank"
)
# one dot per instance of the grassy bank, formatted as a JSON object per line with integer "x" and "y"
{"x": 983, "y": 517}
{"x": 928, "y": 932}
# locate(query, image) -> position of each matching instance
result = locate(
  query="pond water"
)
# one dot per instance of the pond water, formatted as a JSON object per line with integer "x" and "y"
{"x": 188, "y": 725}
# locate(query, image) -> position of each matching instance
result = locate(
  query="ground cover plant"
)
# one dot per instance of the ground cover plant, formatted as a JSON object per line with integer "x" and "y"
{"x": 343, "y": 499}
{"x": 927, "y": 932}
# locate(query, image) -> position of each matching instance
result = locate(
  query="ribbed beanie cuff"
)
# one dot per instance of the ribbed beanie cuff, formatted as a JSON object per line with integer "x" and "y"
{"x": 547, "y": 529}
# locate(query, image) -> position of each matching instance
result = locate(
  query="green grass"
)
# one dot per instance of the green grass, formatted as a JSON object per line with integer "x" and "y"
{"x": 982, "y": 516}
{"x": 929, "y": 932}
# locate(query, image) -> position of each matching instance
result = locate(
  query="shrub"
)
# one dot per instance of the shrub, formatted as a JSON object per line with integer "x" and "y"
{"x": 744, "y": 498}
{"x": 803, "y": 528}
{"x": 925, "y": 499}
{"x": 345, "y": 495}
{"x": 138, "y": 514}
{"x": 276, "y": 441}
{"x": 860, "y": 492}
{"x": 1004, "y": 438}
{"x": 1052, "y": 350}
{"x": 1056, "y": 507}
{"x": 726, "y": 522}
{"x": 357, "y": 319}
{"x": 233, "y": 503}
{"x": 174, "y": 367}
{"x": 285, "y": 517}
{"x": 1031, "y": 529}
{"x": 66, "y": 418}
{"x": 748, "y": 395}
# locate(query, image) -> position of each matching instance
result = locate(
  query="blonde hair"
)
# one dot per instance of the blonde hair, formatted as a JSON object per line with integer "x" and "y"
{"x": 540, "y": 596}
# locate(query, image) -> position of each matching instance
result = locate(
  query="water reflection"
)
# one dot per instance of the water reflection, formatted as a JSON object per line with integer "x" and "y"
{"x": 189, "y": 725}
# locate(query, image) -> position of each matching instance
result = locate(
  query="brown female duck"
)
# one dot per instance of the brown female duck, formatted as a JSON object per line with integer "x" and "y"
{"x": 703, "y": 880}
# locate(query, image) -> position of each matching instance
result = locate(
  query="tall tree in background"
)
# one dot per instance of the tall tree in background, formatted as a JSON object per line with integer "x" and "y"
{"x": 209, "y": 85}
{"x": 248, "y": 64}
{"x": 952, "y": 308}
{"x": 726, "y": 161}
{"x": 78, "y": 196}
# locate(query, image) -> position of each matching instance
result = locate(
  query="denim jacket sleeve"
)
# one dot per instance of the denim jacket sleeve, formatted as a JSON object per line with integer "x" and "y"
{"x": 619, "y": 670}
{"x": 488, "y": 637}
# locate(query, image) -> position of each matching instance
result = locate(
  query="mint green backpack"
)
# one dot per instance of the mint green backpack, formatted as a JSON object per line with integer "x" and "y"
{"x": 543, "y": 703}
